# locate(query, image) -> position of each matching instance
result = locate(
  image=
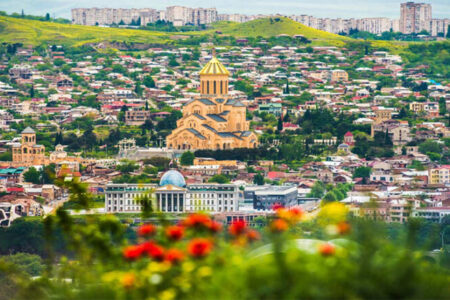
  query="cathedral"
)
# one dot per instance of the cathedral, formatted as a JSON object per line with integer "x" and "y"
{"x": 213, "y": 120}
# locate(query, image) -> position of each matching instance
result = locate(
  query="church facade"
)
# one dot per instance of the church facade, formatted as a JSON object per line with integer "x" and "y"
{"x": 214, "y": 120}
{"x": 28, "y": 153}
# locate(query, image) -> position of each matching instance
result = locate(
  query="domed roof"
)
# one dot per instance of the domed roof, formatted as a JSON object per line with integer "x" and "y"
{"x": 172, "y": 177}
{"x": 214, "y": 67}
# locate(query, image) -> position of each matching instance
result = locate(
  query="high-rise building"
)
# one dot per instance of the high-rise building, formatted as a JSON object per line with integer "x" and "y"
{"x": 415, "y": 17}
{"x": 178, "y": 15}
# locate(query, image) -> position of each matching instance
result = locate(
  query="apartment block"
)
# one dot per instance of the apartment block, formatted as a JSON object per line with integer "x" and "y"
{"x": 415, "y": 17}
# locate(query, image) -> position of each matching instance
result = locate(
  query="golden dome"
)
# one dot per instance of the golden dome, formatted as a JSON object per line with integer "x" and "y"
{"x": 214, "y": 67}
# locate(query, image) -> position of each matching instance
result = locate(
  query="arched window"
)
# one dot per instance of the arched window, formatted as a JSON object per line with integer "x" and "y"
{"x": 207, "y": 87}
{"x": 221, "y": 87}
{"x": 215, "y": 91}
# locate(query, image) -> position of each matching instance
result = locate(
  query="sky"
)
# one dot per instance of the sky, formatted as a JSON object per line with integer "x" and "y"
{"x": 317, "y": 8}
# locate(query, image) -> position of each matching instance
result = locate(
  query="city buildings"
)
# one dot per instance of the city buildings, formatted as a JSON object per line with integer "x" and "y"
{"x": 173, "y": 196}
{"x": 178, "y": 15}
{"x": 414, "y": 18}
{"x": 439, "y": 175}
{"x": 266, "y": 197}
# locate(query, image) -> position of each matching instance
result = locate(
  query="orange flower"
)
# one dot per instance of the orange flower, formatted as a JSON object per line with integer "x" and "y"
{"x": 147, "y": 230}
{"x": 343, "y": 228}
{"x": 132, "y": 252}
{"x": 128, "y": 280}
{"x": 283, "y": 213}
{"x": 175, "y": 233}
{"x": 253, "y": 235}
{"x": 292, "y": 215}
{"x": 199, "y": 247}
{"x": 153, "y": 250}
{"x": 327, "y": 249}
{"x": 238, "y": 227}
{"x": 279, "y": 225}
{"x": 197, "y": 220}
{"x": 215, "y": 227}
{"x": 296, "y": 213}
{"x": 174, "y": 256}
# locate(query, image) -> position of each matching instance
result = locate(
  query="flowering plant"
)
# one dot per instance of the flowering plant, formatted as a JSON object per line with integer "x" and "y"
{"x": 296, "y": 256}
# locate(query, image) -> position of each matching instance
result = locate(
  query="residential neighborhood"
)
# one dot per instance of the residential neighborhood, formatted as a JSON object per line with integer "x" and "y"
{"x": 337, "y": 124}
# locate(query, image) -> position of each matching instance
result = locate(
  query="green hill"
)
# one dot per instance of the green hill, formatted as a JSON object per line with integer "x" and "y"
{"x": 269, "y": 27}
{"x": 15, "y": 30}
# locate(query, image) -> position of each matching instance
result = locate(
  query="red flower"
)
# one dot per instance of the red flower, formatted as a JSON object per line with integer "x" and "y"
{"x": 199, "y": 247}
{"x": 279, "y": 225}
{"x": 175, "y": 233}
{"x": 238, "y": 227}
{"x": 215, "y": 227}
{"x": 277, "y": 206}
{"x": 147, "y": 230}
{"x": 153, "y": 250}
{"x": 296, "y": 212}
{"x": 327, "y": 249}
{"x": 343, "y": 228}
{"x": 174, "y": 256}
{"x": 253, "y": 235}
{"x": 197, "y": 220}
{"x": 132, "y": 252}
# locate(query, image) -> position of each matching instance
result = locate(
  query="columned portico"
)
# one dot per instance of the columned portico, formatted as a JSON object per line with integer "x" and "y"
{"x": 171, "y": 198}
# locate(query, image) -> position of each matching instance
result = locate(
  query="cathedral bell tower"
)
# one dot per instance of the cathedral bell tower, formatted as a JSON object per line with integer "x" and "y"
{"x": 214, "y": 78}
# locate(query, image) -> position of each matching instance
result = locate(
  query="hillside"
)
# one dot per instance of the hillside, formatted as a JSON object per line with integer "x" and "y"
{"x": 269, "y": 27}
{"x": 13, "y": 30}
{"x": 35, "y": 32}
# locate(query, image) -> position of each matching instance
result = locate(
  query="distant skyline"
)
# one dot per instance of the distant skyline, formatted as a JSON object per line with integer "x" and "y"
{"x": 318, "y": 8}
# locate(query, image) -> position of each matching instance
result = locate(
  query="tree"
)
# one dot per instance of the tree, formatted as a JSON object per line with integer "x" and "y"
{"x": 430, "y": 146}
{"x": 442, "y": 106}
{"x": 32, "y": 175}
{"x": 127, "y": 166}
{"x": 187, "y": 158}
{"x": 32, "y": 91}
{"x": 286, "y": 90}
{"x": 47, "y": 17}
{"x": 149, "y": 82}
{"x": 29, "y": 263}
{"x": 258, "y": 179}
{"x": 362, "y": 172}
{"x": 280, "y": 123}
{"x": 138, "y": 89}
{"x": 219, "y": 178}
{"x": 330, "y": 197}
{"x": 317, "y": 190}
{"x": 173, "y": 62}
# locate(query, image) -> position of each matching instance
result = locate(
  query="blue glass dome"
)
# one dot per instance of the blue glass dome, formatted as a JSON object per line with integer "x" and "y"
{"x": 174, "y": 178}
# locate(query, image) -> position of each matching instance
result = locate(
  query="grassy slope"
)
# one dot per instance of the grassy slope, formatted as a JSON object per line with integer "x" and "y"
{"x": 36, "y": 32}
{"x": 14, "y": 30}
{"x": 270, "y": 27}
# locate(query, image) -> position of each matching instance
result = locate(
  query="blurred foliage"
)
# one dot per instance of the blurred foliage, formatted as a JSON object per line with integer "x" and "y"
{"x": 296, "y": 256}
